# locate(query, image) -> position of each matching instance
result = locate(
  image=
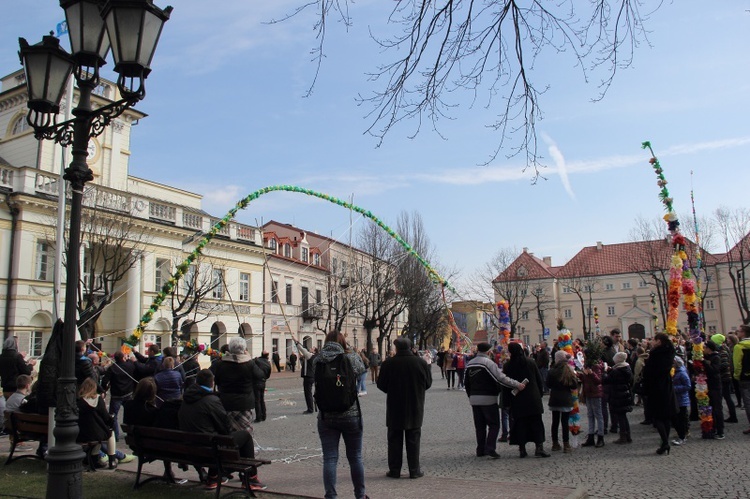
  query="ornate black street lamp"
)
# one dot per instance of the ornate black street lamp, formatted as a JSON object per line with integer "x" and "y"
{"x": 132, "y": 28}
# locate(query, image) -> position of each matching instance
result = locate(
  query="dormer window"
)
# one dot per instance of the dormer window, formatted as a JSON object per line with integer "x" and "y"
{"x": 287, "y": 250}
{"x": 272, "y": 244}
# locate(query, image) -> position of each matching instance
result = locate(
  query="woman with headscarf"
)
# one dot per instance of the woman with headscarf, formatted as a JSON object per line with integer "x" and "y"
{"x": 657, "y": 381}
{"x": 526, "y": 406}
{"x": 235, "y": 377}
{"x": 12, "y": 365}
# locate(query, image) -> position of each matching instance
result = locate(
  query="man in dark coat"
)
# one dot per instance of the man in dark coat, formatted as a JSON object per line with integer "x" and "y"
{"x": 259, "y": 387}
{"x": 292, "y": 361}
{"x": 307, "y": 373}
{"x": 202, "y": 412}
{"x": 120, "y": 378}
{"x": 404, "y": 378}
{"x": 276, "y": 360}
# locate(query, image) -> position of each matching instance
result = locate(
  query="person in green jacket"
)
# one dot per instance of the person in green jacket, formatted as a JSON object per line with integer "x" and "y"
{"x": 741, "y": 358}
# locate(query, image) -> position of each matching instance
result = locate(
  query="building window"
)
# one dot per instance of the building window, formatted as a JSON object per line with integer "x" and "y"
{"x": 566, "y": 290}
{"x": 275, "y": 292}
{"x": 343, "y": 268}
{"x": 588, "y": 288}
{"x": 610, "y": 310}
{"x": 567, "y": 313}
{"x": 305, "y": 298}
{"x": 318, "y": 296}
{"x": 525, "y": 315}
{"x": 217, "y": 283}
{"x": 188, "y": 281}
{"x": 305, "y": 255}
{"x": 36, "y": 345}
{"x": 288, "y": 294}
{"x": 316, "y": 259}
{"x": 44, "y": 261}
{"x": 642, "y": 284}
{"x": 244, "y": 286}
{"x": 589, "y": 312}
{"x": 625, "y": 285}
{"x": 712, "y": 330}
{"x": 161, "y": 273}
{"x": 708, "y": 304}
{"x": 287, "y": 250}
{"x": 19, "y": 126}
{"x": 272, "y": 244}
{"x": 609, "y": 286}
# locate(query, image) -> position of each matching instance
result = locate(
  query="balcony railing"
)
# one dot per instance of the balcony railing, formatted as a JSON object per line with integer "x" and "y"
{"x": 312, "y": 312}
{"x": 33, "y": 181}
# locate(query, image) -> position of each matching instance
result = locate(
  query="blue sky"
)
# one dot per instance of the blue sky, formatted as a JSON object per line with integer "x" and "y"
{"x": 227, "y": 115}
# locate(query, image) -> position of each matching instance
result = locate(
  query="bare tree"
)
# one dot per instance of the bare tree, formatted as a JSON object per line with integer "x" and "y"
{"x": 652, "y": 261}
{"x": 441, "y": 46}
{"x": 191, "y": 299}
{"x": 582, "y": 281}
{"x": 543, "y": 302}
{"x": 734, "y": 228}
{"x": 376, "y": 278}
{"x": 423, "y": 298}
{"x": 112, "y": 243}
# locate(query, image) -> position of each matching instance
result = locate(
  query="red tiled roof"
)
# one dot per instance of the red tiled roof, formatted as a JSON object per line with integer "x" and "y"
{"x": 624, "y": 258}
{"x": 740, "y": 251}
{"x": 535, "y": 269}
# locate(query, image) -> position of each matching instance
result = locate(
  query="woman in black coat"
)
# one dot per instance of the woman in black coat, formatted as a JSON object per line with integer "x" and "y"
{"x": 657, "y": 381}
{"x": 526, "y": 406}
{"x": 619, "y": 379}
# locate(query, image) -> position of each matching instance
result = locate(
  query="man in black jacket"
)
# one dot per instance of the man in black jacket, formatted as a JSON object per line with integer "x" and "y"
{"x": 307, "y": 373}
{"x": 259, "y": 387}
{"x": 12, "y": 365}
{"x": 202, "y": 412}
{"x": 120, "y": 378}
{"x": 404, "y": 378}
{"x": 483, "y": 382}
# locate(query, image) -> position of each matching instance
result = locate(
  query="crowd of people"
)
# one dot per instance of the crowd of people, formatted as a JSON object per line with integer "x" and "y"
{"x": 506, "y": 391}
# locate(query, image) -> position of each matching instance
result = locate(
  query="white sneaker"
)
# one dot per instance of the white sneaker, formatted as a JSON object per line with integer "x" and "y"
{"x": 678, "y": 441}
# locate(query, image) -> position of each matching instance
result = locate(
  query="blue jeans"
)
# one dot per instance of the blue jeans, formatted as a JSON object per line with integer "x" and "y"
{"x": 331, "y": 431}
{"x": 362, "y": 382}
{"x": 114, "y": 408}
{"x": 594, "y": 411}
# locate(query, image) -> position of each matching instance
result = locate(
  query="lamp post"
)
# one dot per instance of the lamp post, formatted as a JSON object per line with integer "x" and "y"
{"x": 132, "y": 28}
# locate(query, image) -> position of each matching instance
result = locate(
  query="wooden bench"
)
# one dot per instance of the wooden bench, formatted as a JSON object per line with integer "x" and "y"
{"x": 22, "y": 428}
{"x": 201, "y": 450}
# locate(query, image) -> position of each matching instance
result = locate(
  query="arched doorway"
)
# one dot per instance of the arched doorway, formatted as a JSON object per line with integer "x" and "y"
{"x": 188, "y": 329}
{"x": 245, "y": 330}
{"x": 218, "y": 334}
{"x": 637, "y": 331}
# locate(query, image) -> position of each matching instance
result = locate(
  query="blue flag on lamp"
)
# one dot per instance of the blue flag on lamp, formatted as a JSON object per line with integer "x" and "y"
{"x": 62, "y": 28}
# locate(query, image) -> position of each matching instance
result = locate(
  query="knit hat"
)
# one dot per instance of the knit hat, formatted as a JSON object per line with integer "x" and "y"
{"x": 718, "y": 338}
{"x": 620, "y": 357}
{"x": 712, "y": 345}
{"x": 484, "y": 347}
{"x": 561, "y": 356}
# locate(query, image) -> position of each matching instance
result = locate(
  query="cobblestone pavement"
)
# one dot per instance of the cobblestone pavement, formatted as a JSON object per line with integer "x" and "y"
{"x": 702, "y": 468}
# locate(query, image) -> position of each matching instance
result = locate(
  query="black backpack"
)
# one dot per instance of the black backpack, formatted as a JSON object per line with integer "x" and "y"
{"x": 335, "y": 384}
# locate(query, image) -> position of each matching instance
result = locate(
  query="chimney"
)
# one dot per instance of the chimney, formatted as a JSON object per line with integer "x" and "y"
{"x": 526, "y": 250}
{"x": 599, "y": 246}
{"x": 547, "y": 260}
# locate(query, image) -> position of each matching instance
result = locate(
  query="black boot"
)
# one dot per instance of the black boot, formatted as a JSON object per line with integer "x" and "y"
{"x": 599, "y": 441}
{"x": 540, "y": 451}
{"x": 112, "y": 462}
{"x": 522, "y": 451}
{"x": 589, "y": 441}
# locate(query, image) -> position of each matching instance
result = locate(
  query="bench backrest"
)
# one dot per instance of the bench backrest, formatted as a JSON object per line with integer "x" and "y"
{"x": 21, "y": 422}
{"x": 181, "y": 445}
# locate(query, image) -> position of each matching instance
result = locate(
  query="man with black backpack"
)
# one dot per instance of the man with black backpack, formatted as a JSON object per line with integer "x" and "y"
{"x": 741, "y": 357}
{"x": 336, "y": 369}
